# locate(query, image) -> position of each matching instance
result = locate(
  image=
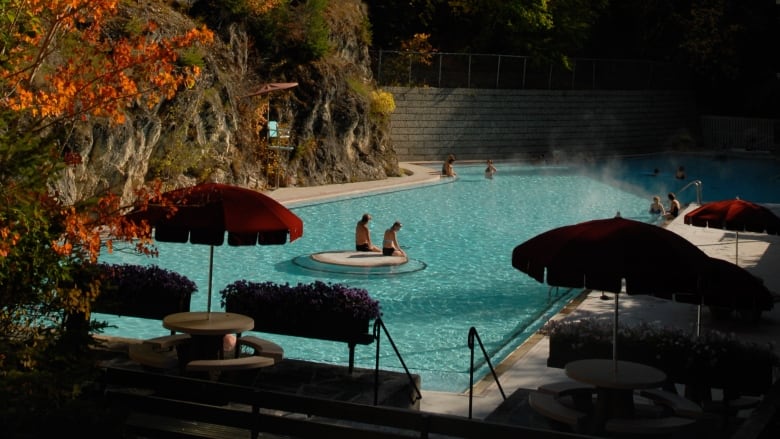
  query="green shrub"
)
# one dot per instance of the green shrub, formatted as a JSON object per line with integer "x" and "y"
{"x": 316, "y": 32}
{"x": 192, "y": 56}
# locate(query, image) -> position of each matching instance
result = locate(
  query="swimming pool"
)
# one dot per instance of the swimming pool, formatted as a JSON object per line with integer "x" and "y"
{"x": 463, "y": 231}
{"x": 752, "y": 177}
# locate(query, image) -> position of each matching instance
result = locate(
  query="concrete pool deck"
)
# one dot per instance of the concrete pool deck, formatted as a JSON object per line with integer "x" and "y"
{"x": 526, "y": 368}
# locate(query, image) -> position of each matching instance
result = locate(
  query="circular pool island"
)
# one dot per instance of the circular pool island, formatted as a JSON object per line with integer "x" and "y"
{"x": 355, "y": 262}
{"x": 358, "y": 259}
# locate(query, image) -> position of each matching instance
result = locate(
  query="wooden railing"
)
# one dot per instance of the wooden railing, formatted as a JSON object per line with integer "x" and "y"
{"x": 159, "y": 405}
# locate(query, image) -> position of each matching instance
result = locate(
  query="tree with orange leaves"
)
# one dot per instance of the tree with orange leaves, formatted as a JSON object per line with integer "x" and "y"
{"x": 63, "y": 61}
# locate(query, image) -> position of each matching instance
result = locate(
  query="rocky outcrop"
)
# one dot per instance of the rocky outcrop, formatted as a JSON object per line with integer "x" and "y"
{"x": 214, "y": 132}
{"x": 350, "y": 145}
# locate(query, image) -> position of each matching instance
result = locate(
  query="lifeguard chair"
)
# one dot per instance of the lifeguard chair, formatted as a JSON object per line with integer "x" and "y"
{"x": 278, "y": 136}
{"x": 278, "y": 140}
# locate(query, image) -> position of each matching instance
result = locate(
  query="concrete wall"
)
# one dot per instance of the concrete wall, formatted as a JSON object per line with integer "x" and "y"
{"x": 476, "y": 124}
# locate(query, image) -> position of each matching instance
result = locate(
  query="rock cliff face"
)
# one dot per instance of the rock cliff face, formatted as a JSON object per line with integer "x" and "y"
{"x": 215, "y": 132}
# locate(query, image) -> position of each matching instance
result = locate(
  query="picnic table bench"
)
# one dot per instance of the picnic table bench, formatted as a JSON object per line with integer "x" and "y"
{"x": 679, "y": 405}
{"x": 227, "y": 364}
{"x": 548, "y": 405}
{"x": 648, "y": 426}
{"x": 261, "y": 347}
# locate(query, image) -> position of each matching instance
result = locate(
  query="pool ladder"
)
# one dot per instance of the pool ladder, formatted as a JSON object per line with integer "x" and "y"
{"x": 379, "y": 324}
{"x": 695, "y": 184}
{"x": 473, "y": 335}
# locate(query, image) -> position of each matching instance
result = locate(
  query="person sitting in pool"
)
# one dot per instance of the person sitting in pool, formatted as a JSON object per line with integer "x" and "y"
{"x": 447, "y": 170}
{"x": 680, "y": 175}
{"x": 656, "y": 208}
{"x": 390, "y": 245}
{"x": 363, "y": 236}
{"x": 674, "y": 206}
{"x": 490, "y": 170}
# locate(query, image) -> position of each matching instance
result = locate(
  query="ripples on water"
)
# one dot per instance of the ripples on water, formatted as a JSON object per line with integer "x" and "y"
{"x": 463, "y": 231}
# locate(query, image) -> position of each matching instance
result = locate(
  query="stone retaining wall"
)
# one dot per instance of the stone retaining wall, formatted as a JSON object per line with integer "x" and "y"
{"x": 476, "y": 124}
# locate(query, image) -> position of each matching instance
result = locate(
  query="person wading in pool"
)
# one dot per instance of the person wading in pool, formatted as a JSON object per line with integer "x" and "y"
{"x": 390, "y": 245}
{"x": 490, "y": 170}
{"x": 656, "y": 208}
{"x": 674, "y": 207}
{"x": 363, "y": 236}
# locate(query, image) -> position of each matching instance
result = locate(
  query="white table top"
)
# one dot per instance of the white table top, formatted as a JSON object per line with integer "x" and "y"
{"x": 205, "y": 323}
{"x": 602, "y": 373}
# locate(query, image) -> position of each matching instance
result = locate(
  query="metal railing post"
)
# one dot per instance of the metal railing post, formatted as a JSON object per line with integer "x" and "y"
{"x": 549, "y": 77}
{"x": 498, "y": 72}
{"x": 468, "y": 81}
{"x": 379, "y": 324}
{"x": 525, "y": 67}
{"x": 573, "y": 74}
{"x": 409, "y": 79}
{"x": 474, "y": 336}
{"x": 439, "y": 81}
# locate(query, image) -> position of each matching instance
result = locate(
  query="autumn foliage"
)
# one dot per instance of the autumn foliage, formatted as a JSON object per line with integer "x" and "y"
{"x": 61, "y": 62}
{"x": 99, "y": 75}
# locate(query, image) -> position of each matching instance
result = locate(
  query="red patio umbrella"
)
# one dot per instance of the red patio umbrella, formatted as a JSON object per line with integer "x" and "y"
{"x": 202, "y": 214}
{"x": 603, "y": 254}
{"x": 735, "y": 215}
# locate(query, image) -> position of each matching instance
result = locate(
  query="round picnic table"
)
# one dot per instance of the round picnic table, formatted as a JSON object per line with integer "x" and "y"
{"x": 207, "y": 330}
{"x": 208, "y": 323}
{"x": 615, "y": 383}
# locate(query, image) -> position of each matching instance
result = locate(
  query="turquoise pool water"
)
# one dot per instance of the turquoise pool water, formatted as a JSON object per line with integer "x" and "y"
{"x": 751, "y": 177}
{"x": 463, "y": 233}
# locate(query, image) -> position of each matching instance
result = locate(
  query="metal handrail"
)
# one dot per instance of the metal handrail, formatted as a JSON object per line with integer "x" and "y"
{"x": 473, "y": 335}
{"x": 378, "y": 323}
{"x": 697, "y": 184}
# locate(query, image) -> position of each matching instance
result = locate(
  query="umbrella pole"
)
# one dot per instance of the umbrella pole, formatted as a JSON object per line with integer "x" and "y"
{"x": 736, "y": 257}
{"x": 615, "y": 337}
{"x": 211, "y": 269}
{"x": 698, "y": 321}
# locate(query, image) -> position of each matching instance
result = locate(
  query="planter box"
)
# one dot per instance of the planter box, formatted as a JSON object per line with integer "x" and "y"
{"x": 324, "y": 327}
{"x": 744, "y": 375}
{"x": 564, "y": 352}
{"x": 148, "y": 292}
{"x": 145, "y": 304}
{"x": 334, "y": 312}
{"x": 305, "y": 323}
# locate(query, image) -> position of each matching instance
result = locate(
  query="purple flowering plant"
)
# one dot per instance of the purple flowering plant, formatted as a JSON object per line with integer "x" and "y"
{"x": 661, "y": 345}
{"x": 137, "y": 290}
{"x": 257, "y": 298}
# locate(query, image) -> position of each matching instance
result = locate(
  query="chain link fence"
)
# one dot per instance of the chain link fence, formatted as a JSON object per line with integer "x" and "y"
{"x": 464, "y": 70}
